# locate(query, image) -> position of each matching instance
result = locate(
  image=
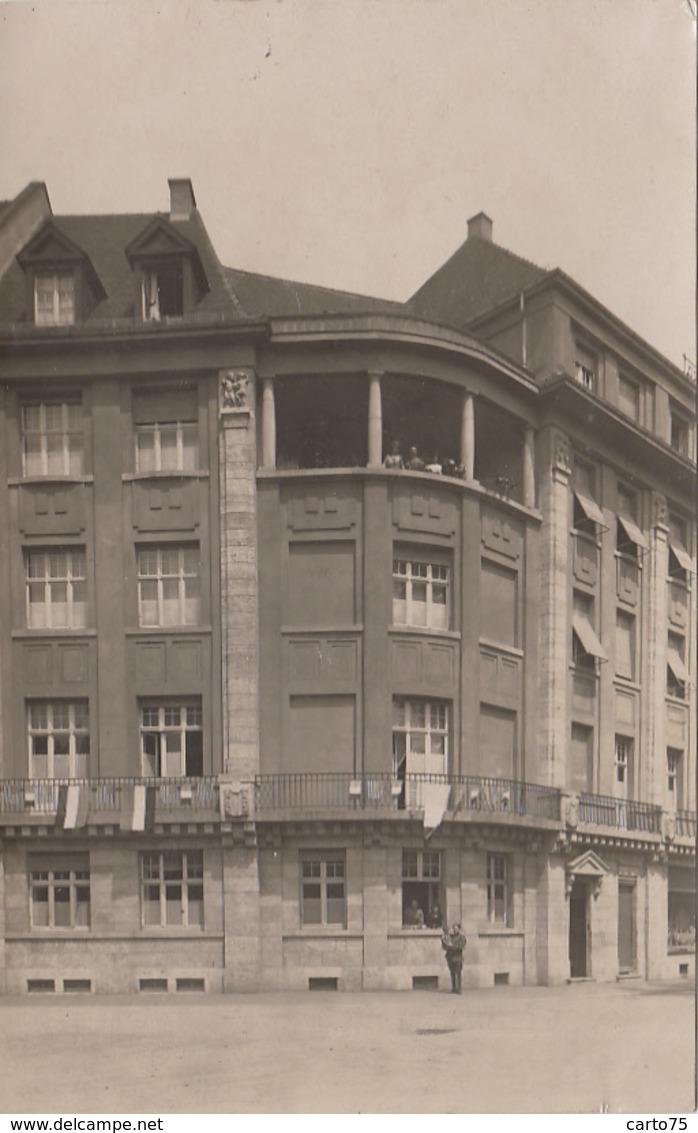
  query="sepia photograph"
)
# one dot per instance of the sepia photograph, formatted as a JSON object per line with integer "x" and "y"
{"x": 347, "y": 560}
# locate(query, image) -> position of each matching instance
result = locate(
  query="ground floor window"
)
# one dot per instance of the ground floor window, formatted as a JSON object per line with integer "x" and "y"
{"x": 59, "y": 892}
{"x": 323, "y": 889}
{"x": 498, "y": 895}
{"x": 682, "y": 910}
{"x": 172, "y": 889}
{"x": 422, "y": 894}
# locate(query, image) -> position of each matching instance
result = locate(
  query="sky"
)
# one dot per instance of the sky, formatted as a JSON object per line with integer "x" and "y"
{"x": 346, "y": 142}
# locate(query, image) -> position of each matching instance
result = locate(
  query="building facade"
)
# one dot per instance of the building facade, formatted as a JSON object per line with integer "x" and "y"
{"x": 279, "y": 695}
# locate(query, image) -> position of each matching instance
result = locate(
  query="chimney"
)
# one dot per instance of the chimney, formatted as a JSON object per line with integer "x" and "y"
{"x": 480, "y": 227}
{"x": 182, "y": 199}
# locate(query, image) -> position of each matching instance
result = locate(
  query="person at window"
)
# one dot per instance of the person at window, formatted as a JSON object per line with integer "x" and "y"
{"x": 393, "y": 459}
{"x": 434, "y": 465}
{"x": 449, "y": 467}
{"x": 434, "y": 917}
{"x": 414, "y": 461}
{"x": 413, "y": 917}
{"x": 453, "y": 943}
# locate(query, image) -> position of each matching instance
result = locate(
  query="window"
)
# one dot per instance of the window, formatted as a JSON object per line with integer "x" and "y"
{"x": 172, "y": 740}
{"x": 59, "y": 892}
{"x": 422, "y": 898}
{"x": 59, "y": 739}
{"x": 52, "y": 439}
{"x": 677, "y": 673}
{"x": 163, "y": 291}
{"x": 166, "y": 429}
{"x": 172, "y": 889}
{"x": 682, "y": 909}
{"x": 585, "y": 366}
{"x": 625, "y": 645}
{"x": 56, "y": 589}
{"x": 586, "y": 647}
{"x": 588, "y": 517}
{"x": 581, "y": 757}
{"x": 674, "y": 764}
{"x": 54, "y": 299}
{"x": 498, "y": 889}
{"x": 629, "y": 397}
{"x": 169, "y": 586}
{"x": 629, "y": 538}
{"x": 420, "y": 736}
{"x": 624, "y": 748}
{"x": 420, "y": 593}
{"x": 323, "y": 890}
{"x": 498, "y": 603}
{"x": 680, "y": 562}
{"x": 679, "y": 433}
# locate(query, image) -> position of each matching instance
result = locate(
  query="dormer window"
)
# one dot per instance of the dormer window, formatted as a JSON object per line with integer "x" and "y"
{"x": 162, "y": 291}
{"x": 54, "y": 298}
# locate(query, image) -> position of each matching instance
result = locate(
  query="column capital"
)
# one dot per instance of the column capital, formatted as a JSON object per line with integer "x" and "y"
{"x": 660, "y": 511}
{"x": 561, "y": 452}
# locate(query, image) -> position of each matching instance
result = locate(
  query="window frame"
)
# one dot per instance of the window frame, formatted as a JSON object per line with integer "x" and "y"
{"x": 71, "y": 578}
{"x": 190, "y": 878}
{"x": 164, "y": 728}
{"x": 675, "y": 761}
{"x": 152, "y": 283}
{"x": 186, "y": 455}
{"x": 61, "y": 314}
{"x": 72, "y": 731}
{"x": 161, "y": 578}
{"x": 54, "y": 878}
{"x": 626, "y": 616}
{"x": 423, "y": 879}
{"x": 498, "y": 890}
{"x": 411, "y": 730}
{"x": 432, "y": 583}
{"x": 623, "y": 762}
{"x": 70, "y": 429}
{"x": 322, "y": 880}
{"x": 586, "y": 367}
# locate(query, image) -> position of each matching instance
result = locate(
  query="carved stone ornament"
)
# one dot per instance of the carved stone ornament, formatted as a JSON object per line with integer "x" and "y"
{"x": 572, "y": 812}
{"x": 234, "y": 801}
{"x": 234, "y": 390}
{"x": 562, "y": 453}
{"x": 668, "y": 827}
{"x": 660, "y": 511}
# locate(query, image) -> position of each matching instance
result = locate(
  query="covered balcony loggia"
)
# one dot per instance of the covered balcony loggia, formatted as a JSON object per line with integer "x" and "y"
{"x": 401, "y": 423}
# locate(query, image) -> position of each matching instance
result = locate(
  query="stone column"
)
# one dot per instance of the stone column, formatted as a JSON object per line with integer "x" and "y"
{"x": 375, "y": 422}
{"x": 467, "y": 437}
{"x": 655, "y": 569}
{"x": 239, "y": 590}
{"x": 554, "y": 619}
{"x": 268, "y": 425}
{"x": 529, "y": 467}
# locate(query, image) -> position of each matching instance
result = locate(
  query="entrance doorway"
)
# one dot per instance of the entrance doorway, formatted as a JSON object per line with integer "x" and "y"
{"x": 580, "y": 930}
{"x": 627, "y": 942}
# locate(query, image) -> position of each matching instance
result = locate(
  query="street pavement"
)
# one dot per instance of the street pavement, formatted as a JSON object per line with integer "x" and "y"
{"x": 626, "y": 1047}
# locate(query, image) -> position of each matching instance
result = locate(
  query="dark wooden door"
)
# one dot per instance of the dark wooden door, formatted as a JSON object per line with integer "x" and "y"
{"x": 579, "y": 930}
{"x": 627, "y": 950}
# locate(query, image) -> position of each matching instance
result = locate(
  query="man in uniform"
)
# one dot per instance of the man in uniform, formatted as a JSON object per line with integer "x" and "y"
{"x": 453, "y": 943}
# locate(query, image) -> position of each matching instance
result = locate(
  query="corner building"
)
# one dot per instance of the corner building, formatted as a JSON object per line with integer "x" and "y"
{"x": 270, "y": 699}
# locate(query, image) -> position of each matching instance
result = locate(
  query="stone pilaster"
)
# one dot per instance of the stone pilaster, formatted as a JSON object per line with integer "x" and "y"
{"x": 529, "y": 467}
{"x": 268, "y": 424}
{"x": 242, "y": 922}
{"x": 653, "y": 735}
{"x": 375, "y": 960}
{"x": 239, "y": 586}
{"x": 554, "y": 614}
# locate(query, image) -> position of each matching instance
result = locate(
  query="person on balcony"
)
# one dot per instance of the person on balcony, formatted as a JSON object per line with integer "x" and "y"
{"x": 434, "y": 465}
{"x": 394, "y": 459}
{"x": 413, "y": 917}
{"x": 414, "y": 461}
{"x": 453, "y": 943}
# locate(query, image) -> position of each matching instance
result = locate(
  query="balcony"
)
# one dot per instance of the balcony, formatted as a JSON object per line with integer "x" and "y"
{"x": 77, "y": 802}
{"x": 686, "y": 824}
{"x": 447, "y": 794}
{"x": 620, "y": 814}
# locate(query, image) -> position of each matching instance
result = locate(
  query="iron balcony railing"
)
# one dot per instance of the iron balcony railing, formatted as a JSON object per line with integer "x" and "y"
{"x": 454, "y": 793}
{"x": 48, "y": 796}
{"x": 623, "y": 814}
{"x": 686, "y": 823}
